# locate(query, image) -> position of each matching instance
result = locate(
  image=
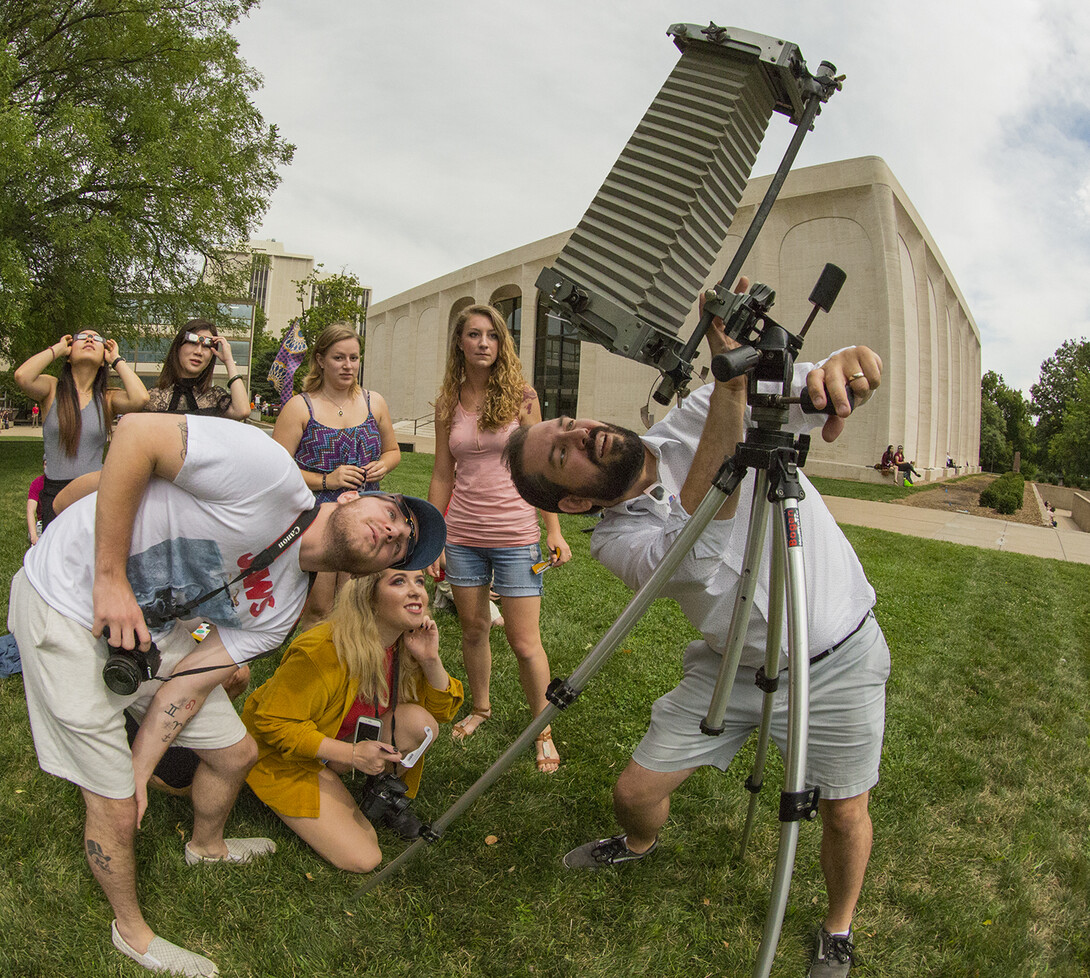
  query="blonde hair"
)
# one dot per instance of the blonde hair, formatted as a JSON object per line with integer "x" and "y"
{"x": 330, "y": 336}
{"x": 360, "y": 650}
{"x": 506, "y": 385}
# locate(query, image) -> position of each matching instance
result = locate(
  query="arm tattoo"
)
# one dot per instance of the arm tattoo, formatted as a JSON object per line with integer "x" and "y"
{"x": 97, "y": 857}
{"x": 183, "y": 428}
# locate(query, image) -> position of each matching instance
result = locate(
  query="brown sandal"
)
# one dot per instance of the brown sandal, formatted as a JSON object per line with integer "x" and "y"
{"x": 548, "y": 760}
{"x": 461, "y": 730}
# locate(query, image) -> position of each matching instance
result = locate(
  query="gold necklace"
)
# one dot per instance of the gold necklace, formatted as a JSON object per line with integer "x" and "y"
{"x": 339, "y": 407}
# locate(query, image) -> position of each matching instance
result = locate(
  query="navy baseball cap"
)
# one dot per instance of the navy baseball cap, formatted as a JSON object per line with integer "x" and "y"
{"x": 428, "y": 536}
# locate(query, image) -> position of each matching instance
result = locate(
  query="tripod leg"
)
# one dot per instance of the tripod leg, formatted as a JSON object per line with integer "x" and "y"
{"x": 743, "y": 604}
{"x": 792, "y": 809}
{"x": 769, "y": 682}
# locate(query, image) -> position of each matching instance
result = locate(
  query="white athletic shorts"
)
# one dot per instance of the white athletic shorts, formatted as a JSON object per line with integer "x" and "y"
{"x": 78, "y": 724}
{"x": 847, "y": 715}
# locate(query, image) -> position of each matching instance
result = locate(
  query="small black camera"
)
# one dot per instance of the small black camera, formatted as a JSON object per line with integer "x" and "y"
{"x": 126, "y": 669}
{"x": 384, "y": 798}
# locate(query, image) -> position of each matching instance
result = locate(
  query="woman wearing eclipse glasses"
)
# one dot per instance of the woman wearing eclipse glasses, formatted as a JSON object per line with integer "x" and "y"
{"x": 75, "y": 434}
{"x": 185, "y": 385}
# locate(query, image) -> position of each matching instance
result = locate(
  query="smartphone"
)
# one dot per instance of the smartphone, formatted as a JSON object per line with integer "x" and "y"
{"x": 367, "y": 728}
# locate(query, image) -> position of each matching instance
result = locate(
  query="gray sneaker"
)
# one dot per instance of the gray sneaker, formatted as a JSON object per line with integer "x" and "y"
{"x": 832, "y": 954}
{"x": 605, "y": 852}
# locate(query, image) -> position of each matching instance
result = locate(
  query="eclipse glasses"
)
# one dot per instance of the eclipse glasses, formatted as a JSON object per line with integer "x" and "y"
{"x": 208, "y": 342}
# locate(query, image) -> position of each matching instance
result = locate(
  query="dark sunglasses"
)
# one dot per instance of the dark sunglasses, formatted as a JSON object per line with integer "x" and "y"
{"x": 208, "y": 342}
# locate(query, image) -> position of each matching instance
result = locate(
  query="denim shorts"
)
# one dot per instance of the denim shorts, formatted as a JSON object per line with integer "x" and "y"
{"x": 507, "y": 569}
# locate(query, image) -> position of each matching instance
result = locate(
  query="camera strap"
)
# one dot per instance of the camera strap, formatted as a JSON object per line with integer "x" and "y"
{"x": 258, "y": 564}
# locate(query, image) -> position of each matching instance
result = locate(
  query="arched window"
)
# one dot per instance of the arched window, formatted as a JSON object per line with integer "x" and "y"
{"x": 556, "y": 363}
{"x": 508, "y": 300}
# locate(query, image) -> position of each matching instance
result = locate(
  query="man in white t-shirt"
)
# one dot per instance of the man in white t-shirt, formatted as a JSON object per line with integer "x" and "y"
{"x": 185, "y": 506}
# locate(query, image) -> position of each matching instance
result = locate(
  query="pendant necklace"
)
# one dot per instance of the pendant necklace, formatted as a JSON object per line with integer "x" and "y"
{"x": 339, "y": 407}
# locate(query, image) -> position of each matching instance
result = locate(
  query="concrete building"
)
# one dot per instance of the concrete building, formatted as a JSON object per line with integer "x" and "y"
{"x": 274, "y": 278}
{"x": 900, "y": 299}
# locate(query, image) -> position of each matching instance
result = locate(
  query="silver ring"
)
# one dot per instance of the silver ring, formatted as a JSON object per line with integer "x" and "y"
{"x": 858, "y": 376}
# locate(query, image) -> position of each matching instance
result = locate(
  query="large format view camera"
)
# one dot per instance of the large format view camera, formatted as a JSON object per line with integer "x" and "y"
{"x": 629, "y": 273}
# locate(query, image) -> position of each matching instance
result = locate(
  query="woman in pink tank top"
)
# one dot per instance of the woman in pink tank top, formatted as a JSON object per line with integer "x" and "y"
{"x": 493, "y": 536}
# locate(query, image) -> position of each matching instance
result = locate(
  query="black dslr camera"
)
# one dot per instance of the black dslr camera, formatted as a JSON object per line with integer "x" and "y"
{"x": 384, "y": 798}
{"x": 126, "y": 669}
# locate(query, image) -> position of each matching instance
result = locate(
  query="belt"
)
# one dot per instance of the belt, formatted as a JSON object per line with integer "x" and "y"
{"x": 828, "y": 652}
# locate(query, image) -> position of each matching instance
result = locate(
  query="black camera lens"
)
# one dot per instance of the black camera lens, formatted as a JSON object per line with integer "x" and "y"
{"x": 121, "y": 675}
{"x": 125, "y": 671}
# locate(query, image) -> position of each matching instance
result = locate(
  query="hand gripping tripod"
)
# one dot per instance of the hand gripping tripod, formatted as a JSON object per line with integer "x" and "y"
{"x": 775, "y": 456}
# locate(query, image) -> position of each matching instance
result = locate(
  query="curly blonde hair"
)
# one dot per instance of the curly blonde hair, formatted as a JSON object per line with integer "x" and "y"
{"x": 331, "y": 335}
{"x": 506, "y": 386}
{"x": 360, "y": 650}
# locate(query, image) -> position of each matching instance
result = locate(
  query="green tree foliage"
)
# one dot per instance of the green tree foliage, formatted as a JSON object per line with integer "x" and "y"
{"x": 1069, "y": 449}
{"x": 337, "y": 298}
{"x": 995, "y": 452}
{"x": 1016, "y": 413}
{"x": 1055, "y": 389}
{"x": 129, "y": 153}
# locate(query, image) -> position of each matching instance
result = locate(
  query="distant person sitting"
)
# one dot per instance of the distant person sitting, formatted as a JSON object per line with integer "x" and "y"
{"x": 905, "y": 467}
{"x": 887, "y": 457}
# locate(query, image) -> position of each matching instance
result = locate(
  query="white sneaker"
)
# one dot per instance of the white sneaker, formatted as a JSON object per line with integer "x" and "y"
{"x": 163, "y": 956}
{"x": 238, "y": 851}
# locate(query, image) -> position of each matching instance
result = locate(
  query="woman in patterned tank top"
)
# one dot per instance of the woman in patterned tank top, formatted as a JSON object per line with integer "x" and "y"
{"x": 340, "y": 435}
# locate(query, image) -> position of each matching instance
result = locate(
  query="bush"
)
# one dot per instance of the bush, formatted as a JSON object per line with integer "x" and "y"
{"x": 1005, "y": 494}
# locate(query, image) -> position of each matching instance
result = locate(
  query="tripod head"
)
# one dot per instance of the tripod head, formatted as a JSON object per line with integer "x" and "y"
{"x": 768, "y": 351}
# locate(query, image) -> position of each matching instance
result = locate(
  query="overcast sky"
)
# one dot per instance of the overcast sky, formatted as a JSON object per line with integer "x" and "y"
{"x": 437, "y": 133}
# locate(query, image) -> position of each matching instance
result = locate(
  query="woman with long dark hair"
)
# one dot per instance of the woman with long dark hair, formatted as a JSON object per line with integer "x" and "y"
{"x": 493, "y": 536}
{"x": 377, "y": 658}
{"x": 185, "y": 385}
{"x": 78, "y": 408}
{"x": 340, "y": 435}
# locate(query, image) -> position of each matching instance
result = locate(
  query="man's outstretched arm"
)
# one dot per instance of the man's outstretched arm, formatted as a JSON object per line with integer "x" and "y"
{"x": 143, "y": 445}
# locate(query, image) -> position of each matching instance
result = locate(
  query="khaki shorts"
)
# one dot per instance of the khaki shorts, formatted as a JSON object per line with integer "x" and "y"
{"x": 847, "y": 716}
{"x": 78, "y": 724}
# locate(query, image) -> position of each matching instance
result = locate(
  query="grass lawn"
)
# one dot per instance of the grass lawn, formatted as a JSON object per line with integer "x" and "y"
{"x": 885, "y": 492}
{"x": 981, "y": 863}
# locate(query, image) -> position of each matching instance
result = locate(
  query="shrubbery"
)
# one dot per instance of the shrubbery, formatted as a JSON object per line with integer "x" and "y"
{"x": 1005, "y": 494}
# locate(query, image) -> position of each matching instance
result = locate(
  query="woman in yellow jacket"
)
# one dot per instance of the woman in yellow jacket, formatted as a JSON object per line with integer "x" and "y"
{"x": 375, "y": 659}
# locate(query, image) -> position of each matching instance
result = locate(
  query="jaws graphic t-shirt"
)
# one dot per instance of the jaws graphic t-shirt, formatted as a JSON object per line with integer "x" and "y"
{"x": 237, "y": 491}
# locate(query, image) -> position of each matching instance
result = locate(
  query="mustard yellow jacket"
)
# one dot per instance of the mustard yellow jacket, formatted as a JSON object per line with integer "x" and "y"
{"x": 301, "y": 704}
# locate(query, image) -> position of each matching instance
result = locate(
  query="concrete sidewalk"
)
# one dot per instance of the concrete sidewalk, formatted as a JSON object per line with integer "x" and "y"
{"x": 953, "y": 527}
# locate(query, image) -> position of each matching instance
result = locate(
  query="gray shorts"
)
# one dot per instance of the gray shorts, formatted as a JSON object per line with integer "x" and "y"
{"x": 847, "y": 716}
{"x": 78, "y": 724}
